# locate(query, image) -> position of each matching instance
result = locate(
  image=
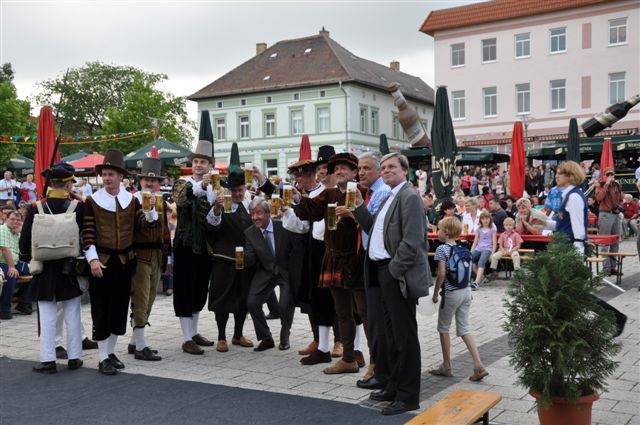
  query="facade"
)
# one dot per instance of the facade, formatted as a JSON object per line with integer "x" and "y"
{"x": 307, "y": 86}
{"x": 539, "y": 62}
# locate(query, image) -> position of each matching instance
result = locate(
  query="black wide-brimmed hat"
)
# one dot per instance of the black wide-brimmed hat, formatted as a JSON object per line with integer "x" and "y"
{"x": 342, "y": 158}
{"x": 62, "y": 171}
{"x": 113, "y": 159}
{"x": 151, "y": 169}
{"x": 233, "y": 180}
{"x": 325, "y": 153}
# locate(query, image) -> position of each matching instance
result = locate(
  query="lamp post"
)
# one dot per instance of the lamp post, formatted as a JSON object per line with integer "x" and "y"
{"x": 526, "y": 121}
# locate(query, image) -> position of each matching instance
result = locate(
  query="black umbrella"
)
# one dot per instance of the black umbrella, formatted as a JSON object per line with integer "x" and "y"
{"x": 444, "y": 147}
{"x": 384, "y": 146}
{"x": 573, "y": 142}
{"x": 206, "y": 131}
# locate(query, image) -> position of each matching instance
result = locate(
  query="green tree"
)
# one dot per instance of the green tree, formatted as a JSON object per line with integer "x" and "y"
{"x": 14, "y": 119}
{"x": 6, "y": 72}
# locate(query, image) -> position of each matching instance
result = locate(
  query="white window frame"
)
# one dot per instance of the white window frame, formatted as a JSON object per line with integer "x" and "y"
{"x": 320, "y": 119}
{"x": 559, "y": 37}
{"x": 244, "y": 127}
{"x": 375, "y": 121}
{"x": 523, "y": 96}
{"x": 323, "y": 93}
{"x": 458, "y": 105}
{"x": 294, "y": 131}
{"x": 243, "y": 102}
{"x": 269, "y": 124}
{"x": 458, "y": 65}
{"x": 395, "y": 126}
{"x": 364, "y": 119}
{"x": 617, "y": 24}
{"x": 618, "y": 85}
{"x": 270, "y": 171}
{"x": 489, "y": 47}
{"x": 221, "y": 128}
{"x": 561, "y": 92}
{"x": 523, "y": 42}
{"x": 268, "y": 99}
{"x": 493, "y": 102}
{"x": 296, "y": 96}
{"x": 220, "y": 104}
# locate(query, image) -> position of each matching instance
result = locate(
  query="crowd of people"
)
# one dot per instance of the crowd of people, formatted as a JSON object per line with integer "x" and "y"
{"x": 355, "y": 266}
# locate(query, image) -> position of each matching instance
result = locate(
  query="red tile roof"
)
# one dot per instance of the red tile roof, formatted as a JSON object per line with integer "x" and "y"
{"x": 496, "y": 10}
{"x": 310, "y": 61}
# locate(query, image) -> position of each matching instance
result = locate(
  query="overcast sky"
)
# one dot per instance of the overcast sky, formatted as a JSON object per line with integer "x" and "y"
{"x": 196, "y": 42}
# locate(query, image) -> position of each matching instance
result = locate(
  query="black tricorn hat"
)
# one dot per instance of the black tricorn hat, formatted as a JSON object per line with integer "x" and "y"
{"x": 61, "y": 171}
{"x": 325, "y": 153}
{"x": 151, "y": 168}
{"x": 113, "y": 159}
{"x": 342, "y": 158}
{"x": 233, "y": 180}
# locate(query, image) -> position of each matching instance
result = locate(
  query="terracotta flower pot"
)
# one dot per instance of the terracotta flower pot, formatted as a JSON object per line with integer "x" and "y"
{"x": 566, "y": 412}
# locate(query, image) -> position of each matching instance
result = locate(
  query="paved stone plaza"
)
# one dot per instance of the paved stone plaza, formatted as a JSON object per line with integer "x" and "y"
{"x": 281, "y": 372}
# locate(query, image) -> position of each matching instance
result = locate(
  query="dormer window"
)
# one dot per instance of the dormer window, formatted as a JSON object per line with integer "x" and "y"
{"x": 273, "y": 55}
{"x": 267, "y": 77}
{"x": 307, "y": 51}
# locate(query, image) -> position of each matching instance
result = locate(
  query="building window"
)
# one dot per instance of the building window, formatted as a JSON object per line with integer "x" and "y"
{"x": 425, "y": 123}
{"x": 268, "y": 99}
{"x": 395, "y": 127}
{"x": 296, "y": 96}
{"x": 558, "y": 38}
{"x": 558, "y": 95}
{"x": 616, "y": 87}
{"x": 219, "y": 104}
{"x": 374, "y": 122}
{"x": 221, "y": 129}
{"x": 523, "y": 45}
{"x": 323, "y": 120}
{"x": 271, "y": 167}
{"x": 322, "y": 93}
{"x": 363, "y": 119}
{"x": 244, "y": 127}
{"x": 269, "y": 124}
{"x": 523, "y": 98}
{"x": 458, "y": 104}
{"x": 457, "y": 54}
{"x": 296, "y": 122}
{"x": 618, "y": 31}
{"x": 490, "y": 95}
{"x": 243, "y": 102}
{"x": 489, "y": 47}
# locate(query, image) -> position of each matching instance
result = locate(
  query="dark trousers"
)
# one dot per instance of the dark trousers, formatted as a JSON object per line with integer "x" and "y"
{"x": 344, "y": 301}
{"x": 110, "y": 298}
{"x": 191, "y": 273}
{"x": 377, "y": 339}
{"x": 255, "y": 301}
{"x": 401, "y": 334}
{"x": 272, "y": 302}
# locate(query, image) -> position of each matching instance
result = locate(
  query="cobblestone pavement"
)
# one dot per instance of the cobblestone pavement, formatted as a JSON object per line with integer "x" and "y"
{"x": 280, "y": 371}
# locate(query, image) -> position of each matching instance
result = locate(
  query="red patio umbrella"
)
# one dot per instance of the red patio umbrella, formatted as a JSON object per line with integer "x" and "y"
{"x": 45, "y": 146}
{"x": 516, "y": 171}
{"x": 87, "y": 164}
{"x": 606, "y": 158}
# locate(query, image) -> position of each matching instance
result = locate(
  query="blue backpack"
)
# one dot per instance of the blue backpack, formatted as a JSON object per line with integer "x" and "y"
{"x": 459, "y": 266}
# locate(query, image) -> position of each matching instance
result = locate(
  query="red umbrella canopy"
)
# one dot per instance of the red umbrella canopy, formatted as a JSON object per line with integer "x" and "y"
{"x": 45, "y": 146}
{"x": 606, "y": 158}
{"x": 89, "y": 161}
{"x": 516, "y": 171}
{"x": 305, "y": 149}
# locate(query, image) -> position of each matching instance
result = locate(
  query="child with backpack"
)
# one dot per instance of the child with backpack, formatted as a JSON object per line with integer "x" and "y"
{"x": 483, "y": 246}
{"x": 454, "y": 274}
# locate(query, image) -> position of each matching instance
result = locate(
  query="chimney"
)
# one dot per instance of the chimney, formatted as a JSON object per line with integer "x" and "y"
{"x": 324, "y": 32}
{"x": 395, "y": 65}
{"x": 260, "y": 47}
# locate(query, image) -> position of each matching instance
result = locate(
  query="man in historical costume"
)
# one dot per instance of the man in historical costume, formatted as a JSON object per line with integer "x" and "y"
{"x": 396, "y": 258}
{"x": 52, "y": 285}
{"x": 229, "y": 287}
{"x": 341, "y": 269}
{"x": 609, "y": 196}
{"x": 111, "y": 217}
{"x": 269, "y": 249}
{"x": 191, "y": 262}
{"x": 151, "y": 246}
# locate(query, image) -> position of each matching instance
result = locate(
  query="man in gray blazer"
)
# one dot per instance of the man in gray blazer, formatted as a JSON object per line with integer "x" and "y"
{"x": 397, "y": 260}
{"x": 268, "y": 247}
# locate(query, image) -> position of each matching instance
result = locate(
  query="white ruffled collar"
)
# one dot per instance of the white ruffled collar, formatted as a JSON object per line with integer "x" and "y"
{"x": 108, "y": 202}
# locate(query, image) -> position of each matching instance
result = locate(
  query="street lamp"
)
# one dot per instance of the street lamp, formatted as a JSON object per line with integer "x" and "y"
{"x": 526, "y": 121}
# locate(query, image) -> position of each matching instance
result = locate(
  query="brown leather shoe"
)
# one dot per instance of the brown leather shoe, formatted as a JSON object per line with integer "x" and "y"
{"x": 313, "y": 346}
{"x": 242, "y": 341}
{"x": 342, "y": 367}
{"x": 316, "y": 357}
{"x": 370, "y": 372}
{"x": 222, "y": 346}
{"x": 202, "y": 341}
{"x": 337, "y": 350}
{"x": 192, "y": 348}
{"x": 360, "y": 359}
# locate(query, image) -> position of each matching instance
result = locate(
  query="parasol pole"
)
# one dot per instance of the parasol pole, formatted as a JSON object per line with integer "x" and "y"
{"x": 59, "y": 134}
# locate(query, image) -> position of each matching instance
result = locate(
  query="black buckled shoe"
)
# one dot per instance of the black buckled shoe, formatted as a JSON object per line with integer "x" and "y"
{"x": 88, "y": 344}
{"x": 106, "y": 367}
{"x": 74, "y": 364}
{"x": 382, "y": 395}
{"x": 46, "y": 367}
{"x": 371, "y": 384}
{"x": 116, "y": 361}
{"x": 398, "y": 407}
{"x": 131, "y": 348}
{"x": 61, "y": 353}
{"x": 147, "y": 354}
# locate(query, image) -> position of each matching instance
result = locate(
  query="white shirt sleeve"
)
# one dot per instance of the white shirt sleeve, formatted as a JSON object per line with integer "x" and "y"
{"x": 214, "y": 219}
{"x": 91, "y": 254}
{"x": 576, "y": 214}
{"x": 292, "y": 223}
{"x": 198, "y": 191}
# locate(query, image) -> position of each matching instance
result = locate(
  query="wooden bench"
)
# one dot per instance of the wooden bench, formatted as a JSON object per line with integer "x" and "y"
{"x": 507, "y": 272}
{"x": 618, "y": 256}
{"x": 461, "y": 407}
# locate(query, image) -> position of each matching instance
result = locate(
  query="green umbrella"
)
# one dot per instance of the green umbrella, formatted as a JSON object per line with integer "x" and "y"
{"x": 444, "y": 147}
{"x": 74, "y": 156}
{"x": 234, "y": 160}
{"x": 384, "y": 146}
{"x": 573, "y": 142}
{"x": 21, "y": 165}
{"x": 169, "y": 153}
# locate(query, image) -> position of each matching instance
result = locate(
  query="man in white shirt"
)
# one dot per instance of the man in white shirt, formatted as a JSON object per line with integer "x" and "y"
{"x": 7, "y": 185}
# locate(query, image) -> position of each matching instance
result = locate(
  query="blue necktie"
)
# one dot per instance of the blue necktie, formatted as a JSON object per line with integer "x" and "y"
{"x": 265, "y": 232}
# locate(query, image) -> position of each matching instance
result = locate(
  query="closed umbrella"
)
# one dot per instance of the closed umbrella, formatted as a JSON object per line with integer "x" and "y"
{"x": 169, "y": 153}
{"x": 384, "y": 146}
{"x": 46, "y": 146}
{"x": 444, "y": 147}
{"x": 206, "y": 131}
{"x": 305, "y": 148}
{"x": 606, "y": 158}
{"x": 516, "y": 171}
{"x": 573, "y": 142}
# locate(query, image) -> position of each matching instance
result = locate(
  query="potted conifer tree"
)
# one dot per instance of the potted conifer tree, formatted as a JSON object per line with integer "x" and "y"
{"x": 562, "y": 341}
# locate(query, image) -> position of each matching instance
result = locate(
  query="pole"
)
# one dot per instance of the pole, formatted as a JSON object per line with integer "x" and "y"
{"x": 58, "y": 136}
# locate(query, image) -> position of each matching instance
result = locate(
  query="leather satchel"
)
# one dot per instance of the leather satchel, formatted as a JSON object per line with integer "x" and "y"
{"x": 55, "y": 236}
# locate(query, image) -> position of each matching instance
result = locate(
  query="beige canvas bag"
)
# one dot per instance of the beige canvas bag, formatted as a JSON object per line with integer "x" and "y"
{"x": 55, "y": 236}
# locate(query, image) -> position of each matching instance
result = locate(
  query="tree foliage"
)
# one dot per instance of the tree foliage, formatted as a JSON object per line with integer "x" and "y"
{"x": 14, "y": 116}
{"x": 6, "y": 73}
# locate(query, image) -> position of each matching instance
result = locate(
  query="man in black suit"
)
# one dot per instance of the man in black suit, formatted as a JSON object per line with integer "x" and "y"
{"x": 268, "y": 247}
